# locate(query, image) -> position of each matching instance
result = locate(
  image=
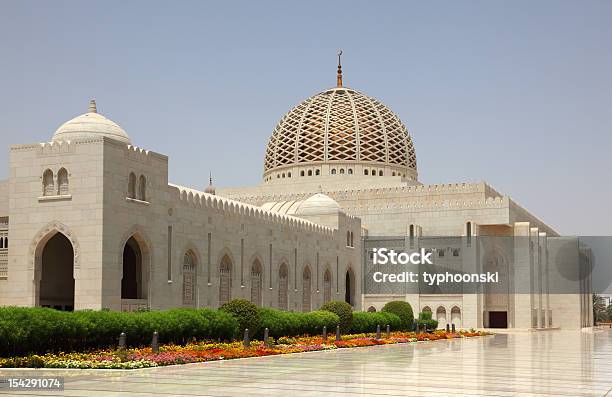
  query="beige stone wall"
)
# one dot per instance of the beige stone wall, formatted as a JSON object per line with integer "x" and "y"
{"x": 98, "y": 217}
{"x": 34, "y": 218}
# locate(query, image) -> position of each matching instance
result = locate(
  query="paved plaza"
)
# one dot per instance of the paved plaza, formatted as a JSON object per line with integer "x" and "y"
{"x": 552, "y": 363}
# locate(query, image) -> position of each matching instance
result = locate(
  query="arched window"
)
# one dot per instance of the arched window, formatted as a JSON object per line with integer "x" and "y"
{"x": 1, "y": 242}
{"x": 62, "y": 181}
{"x": 441, "y": 317}
{"x": 327, "y": 282}
{"x": 256, "y": 283}
{"x": 48, "y": 185}
{"x": 288, "y": 174}
{"x": 132, "y": 185}
{"x": 333, "y": 171}
{"x": 456, "y": 316}
{"x": 349, "y": 287}
{"x": 352, "y": 239}
{"x": 309, "y": 172}
{"x": 6, "y": 242}
{"x": 348, "y": 239}
{"x": 306, "y": 289}
{"x": 225, "y": 280}
{"x": 142, "y": 188}
{"x": 342, "y": 170}
{"x": 373, "y": 172}
{"x": 301, "y": 173}
{"x": 380, "y": 173}
{"x": 283, "y": 287}
{"x": 350, "y": 171}
{"x": 371, "y": 309}
{"x": 393, "y": 173}
{"x": 318, "y": 172}
{"x": 426, "y": 309}
{"x": 365, "y": 172}
{"x": 283, "y": 174}
{"x": 189, "y": 278}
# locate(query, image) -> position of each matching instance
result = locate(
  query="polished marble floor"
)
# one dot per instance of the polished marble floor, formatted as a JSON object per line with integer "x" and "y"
{"x": 553, "y": 363}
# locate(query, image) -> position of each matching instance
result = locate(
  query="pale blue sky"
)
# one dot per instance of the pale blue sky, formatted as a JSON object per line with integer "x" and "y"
{"x": 515, "y": 93}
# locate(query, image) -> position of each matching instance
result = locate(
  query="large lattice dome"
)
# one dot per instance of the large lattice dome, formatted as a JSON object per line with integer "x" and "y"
{"x": 340, "y": 131}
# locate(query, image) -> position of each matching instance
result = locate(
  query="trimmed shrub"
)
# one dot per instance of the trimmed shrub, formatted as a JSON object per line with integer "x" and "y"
{"x": 281, "y": 323}
{"x": 403, "y": 310}
{"x": 40, "y": 330}
{"x": 364, "y": 322}
{"x": 426, "y": 321}
{"x": 245, "y": 312}
{"x": 342, "y": 310}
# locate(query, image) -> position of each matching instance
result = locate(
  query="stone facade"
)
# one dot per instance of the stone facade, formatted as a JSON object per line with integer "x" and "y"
{"x": 94, "y": 223}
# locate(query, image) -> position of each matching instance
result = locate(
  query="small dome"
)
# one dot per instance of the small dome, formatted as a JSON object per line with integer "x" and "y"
{"x": 318, "y": 204}
{"x": 90, "y": 125}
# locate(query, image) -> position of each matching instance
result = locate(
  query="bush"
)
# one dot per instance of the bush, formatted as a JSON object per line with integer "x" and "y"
{"x": 342, "y": 310}
{"x": 281, "y": 323}
{"x": 40, "y": 330}
{"x": 403, "y": 310}
{"x": 426, "y": 321}
{"x": 245, "y": 312}
{"x": 364, "y": 322}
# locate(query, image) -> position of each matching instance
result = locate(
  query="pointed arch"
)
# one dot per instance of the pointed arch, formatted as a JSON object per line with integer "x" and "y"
{"x": 306, "y": 289}
{"x": 142, "y": 188}
{"x": 327, "y": 285}
{"x": 349, "y": 286}
{"x": 48, "y": 183}
{"x": 62, "y": 182}
{"x": 54, "y": 262}
{"x": 190, "y": 266}
{"x": 283, "y": 287}
{"x": 226, "y": 265}
{"x": 256, "y": 282}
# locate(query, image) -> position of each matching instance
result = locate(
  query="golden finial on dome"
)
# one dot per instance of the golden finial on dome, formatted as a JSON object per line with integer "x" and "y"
{"x": 339, "y": 69}
{"x": 92, "y": 106}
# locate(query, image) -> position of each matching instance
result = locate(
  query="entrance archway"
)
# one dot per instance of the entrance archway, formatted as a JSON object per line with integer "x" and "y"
{"x": 133, "y": 284}
{"x": 57, "y": 274}
{"x": 349, "y": 292}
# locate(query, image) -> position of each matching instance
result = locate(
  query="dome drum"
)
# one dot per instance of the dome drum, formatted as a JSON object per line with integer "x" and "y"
{"x": 332, "y": 169}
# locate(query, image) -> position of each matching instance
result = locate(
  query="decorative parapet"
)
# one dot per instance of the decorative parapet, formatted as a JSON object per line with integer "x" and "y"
{"x": 197, "y": 199}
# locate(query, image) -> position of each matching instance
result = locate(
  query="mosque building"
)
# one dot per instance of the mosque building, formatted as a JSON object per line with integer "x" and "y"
{"x": 90, "y": 221}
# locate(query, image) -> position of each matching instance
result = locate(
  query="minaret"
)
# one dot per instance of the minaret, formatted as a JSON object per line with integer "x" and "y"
{"x": 92, "y": 107}
{"x": 339, "y": 69}
{"x": 210, "y": 189}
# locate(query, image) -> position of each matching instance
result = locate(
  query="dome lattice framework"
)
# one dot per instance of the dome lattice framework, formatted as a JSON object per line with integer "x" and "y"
{"x": 340, "y": 125}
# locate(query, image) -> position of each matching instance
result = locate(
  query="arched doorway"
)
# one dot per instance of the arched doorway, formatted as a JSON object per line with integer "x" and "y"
{"x": 133, "y": 284}
{"x": 349, "y": 292}
{"x": 57, "y": 274}
{"x": 371, "y": 309}
{"x": 225, "y": 280}
{"x": 327, "y": 281}
{"x": 283, "y": 287}
{"x": 256, "y": 282}
{"x": 306, "y": 289}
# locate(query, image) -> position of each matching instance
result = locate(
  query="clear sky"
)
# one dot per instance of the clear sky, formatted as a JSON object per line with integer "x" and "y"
{"x": 515, "y": 93}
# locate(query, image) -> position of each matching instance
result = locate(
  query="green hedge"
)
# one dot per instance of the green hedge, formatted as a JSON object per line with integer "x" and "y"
{"x": 364, "y": 322}
{"x": 281, "y": 323}
{"x": 40, "y": 330}
{"x": 403, "y": 310}
{"x": 245, "y": 312}
{"x": 343, "y": 310}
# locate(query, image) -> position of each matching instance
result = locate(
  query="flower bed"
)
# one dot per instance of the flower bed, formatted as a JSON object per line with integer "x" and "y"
{"x": 211, "y": 351}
